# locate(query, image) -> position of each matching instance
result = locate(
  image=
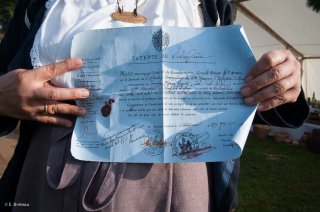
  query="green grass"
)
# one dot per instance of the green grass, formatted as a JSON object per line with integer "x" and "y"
{"x": 278, "y": 177}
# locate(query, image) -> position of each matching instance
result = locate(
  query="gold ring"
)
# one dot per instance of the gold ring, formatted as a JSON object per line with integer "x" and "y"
{"x": 45, "y": 112}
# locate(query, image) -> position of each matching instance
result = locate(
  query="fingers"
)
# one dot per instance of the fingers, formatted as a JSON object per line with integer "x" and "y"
{"x": 49, "y": 112}
{"x": 267, "y": 61}
{"x": 60, "y": 94}
{"x": 63, "y": 108}
{"x": 47, "y": 72}
{"x": 273, "y": 81}
{"x": 267, "y": 78}
{"x": 26, "y": 92}
{"x": 289, "y": 96}
{"x": 55, "y": 120}
{"x": 279, "y": 90}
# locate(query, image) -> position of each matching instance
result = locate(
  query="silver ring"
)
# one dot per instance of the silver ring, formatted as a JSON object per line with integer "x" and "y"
{"x": 45, "y": 112}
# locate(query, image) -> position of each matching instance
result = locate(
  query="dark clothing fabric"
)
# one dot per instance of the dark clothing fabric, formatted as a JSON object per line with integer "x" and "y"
{"x": 105, "y": 187}
{"x": 14, "y": 53}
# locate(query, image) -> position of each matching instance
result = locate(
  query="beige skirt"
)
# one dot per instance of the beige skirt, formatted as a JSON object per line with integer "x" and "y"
{"x": 46, "y": 184}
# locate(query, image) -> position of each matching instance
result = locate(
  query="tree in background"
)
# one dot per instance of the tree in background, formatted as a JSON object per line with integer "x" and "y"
{"x": 314, "y": 4}
{"x": 6, "y": 12}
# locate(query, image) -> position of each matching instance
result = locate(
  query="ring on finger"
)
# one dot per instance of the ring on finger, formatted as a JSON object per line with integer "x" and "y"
{"x": 45, "y": 111}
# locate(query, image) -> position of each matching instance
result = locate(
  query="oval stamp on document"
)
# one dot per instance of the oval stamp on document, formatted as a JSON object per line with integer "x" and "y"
{"x": 154, "y": 143}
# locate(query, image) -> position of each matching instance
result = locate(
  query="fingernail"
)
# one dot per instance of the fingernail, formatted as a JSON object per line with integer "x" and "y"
{"x": 77, "y": 61}
{"x": 84, "y": 93}
{"x": 248, "y": 78}
{"x": 68, "y": 124}
{"x": 250, "y": 100}
{"x": 260, "y": 107}
{"x": 82, "y": 111}
{"x": 245, "y": 91}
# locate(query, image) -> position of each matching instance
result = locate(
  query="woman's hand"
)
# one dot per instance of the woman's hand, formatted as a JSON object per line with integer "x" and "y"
{"x": 273, "y": 81}
{"x": 27, "y": 94}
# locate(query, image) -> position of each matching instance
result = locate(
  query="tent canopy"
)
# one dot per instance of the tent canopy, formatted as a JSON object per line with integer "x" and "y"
{"x": 276, "y": 24}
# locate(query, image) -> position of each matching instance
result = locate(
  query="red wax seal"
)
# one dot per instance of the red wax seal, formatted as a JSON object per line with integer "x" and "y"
{"x": 106, "y": 109}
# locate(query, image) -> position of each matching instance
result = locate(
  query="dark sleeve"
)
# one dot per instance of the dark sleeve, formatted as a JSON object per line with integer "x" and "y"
{"x": 9, "y": 47}
{"x": 7, "y": 125}
{"x": 219, "y": 10}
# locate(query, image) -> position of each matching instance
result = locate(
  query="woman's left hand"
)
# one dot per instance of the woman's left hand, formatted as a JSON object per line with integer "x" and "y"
{"x": 273, "y": 81}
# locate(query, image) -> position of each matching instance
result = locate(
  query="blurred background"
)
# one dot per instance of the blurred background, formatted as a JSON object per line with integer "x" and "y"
{"x": 280, "y": 167}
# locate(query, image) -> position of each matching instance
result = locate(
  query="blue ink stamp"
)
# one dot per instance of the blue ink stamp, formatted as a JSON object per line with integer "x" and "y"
{"x": 187, "y": 145}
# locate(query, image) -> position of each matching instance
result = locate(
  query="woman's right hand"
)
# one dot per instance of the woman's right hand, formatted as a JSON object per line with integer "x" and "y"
{"x": 28, "y": 94}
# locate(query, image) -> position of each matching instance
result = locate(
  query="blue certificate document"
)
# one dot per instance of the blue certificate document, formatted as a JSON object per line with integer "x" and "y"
{"x": 162, "y": 94}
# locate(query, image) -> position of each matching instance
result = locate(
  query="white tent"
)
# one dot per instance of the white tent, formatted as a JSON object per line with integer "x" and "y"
{"x": 274, "y": 24}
